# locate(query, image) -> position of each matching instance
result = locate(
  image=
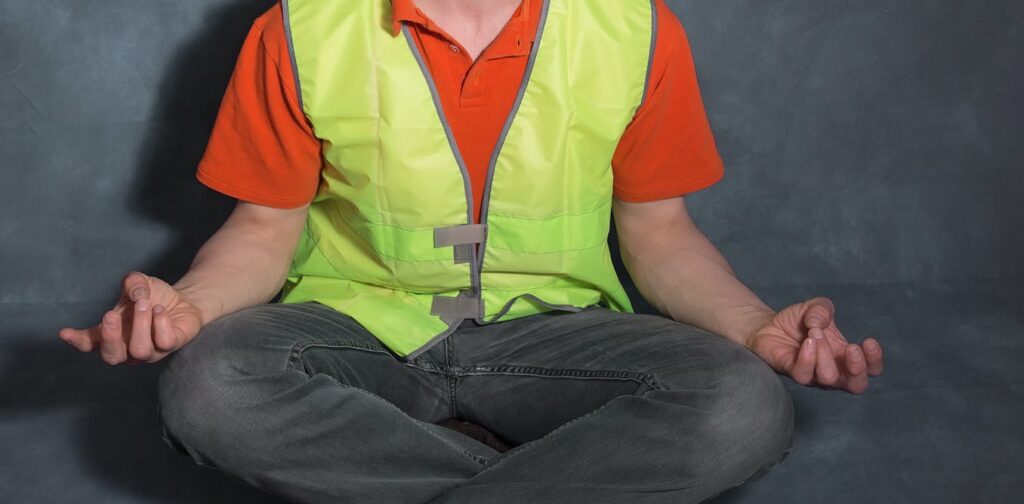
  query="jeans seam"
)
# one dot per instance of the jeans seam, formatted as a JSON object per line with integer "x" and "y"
{"x": 451, "y": 377}
{"x": 476, "y": 458}
{"x": 298, "y": 348}
{"x": 425, "y": 366}
{"x": 640, "y": 377}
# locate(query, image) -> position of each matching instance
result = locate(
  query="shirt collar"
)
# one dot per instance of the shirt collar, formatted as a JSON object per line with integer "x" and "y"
{"x": 406, "y": 11}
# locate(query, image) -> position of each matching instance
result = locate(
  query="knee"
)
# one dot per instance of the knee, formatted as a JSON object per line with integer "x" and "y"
{"x": 739, "y": 408}
{"x": 753, "y": 411}
{"x": 197, "y": 390}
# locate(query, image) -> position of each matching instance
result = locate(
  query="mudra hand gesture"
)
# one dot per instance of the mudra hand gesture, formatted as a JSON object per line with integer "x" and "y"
{"x": 803, "y": 342}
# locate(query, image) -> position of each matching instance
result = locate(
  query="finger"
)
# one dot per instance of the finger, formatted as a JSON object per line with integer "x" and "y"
{"x": 873, "y": 354}
{"x": 803, "y": 369}
{"x": 826, "y": 372}
{"x": 819, "y": 312}
{"x": 835, "y": 336}
{"x": 856, "y": 369}
{"x": 141, "y": 344}
{"x": 112, "y": 347}
{"x": 84, "y": 340}
{"x": 136, "y": 286}
{"x": 122, "y": 302}
{"x": 165, "y": 339}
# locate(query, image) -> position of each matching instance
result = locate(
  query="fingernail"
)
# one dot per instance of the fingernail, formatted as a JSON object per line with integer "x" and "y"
{"x": 158, "y": 309}
{"x": 142, "y": 305}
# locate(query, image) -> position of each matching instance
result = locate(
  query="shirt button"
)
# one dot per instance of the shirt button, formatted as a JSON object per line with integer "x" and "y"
{"x": 454, "y": 48}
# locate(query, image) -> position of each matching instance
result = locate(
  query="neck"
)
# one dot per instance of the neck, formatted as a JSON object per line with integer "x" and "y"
{"x": 480, "y": 9}
{"x": 472, "y": 23}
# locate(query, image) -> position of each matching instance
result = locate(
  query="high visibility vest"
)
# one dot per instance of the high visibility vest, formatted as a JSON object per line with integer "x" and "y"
{"x": 390, "y": 239}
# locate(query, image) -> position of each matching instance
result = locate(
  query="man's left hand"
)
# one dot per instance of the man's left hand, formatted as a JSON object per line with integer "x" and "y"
{"x": 803, "y": 342}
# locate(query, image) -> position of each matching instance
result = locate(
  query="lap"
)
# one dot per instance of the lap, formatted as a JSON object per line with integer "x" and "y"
{"x": 652, "y": 350}
{"x": 525, "y": 377}
{"x": 267, "y": 340}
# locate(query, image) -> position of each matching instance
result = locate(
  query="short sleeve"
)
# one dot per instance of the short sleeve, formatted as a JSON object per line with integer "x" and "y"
{"x": 262, "y": 148}
{"x": 668, "y": 149}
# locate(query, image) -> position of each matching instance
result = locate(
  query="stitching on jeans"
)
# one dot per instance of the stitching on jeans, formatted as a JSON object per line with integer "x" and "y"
{"x": 424, "y": 366}
{"x": 295, "y": 354}
{"x": 476, "y": 458}
{"x": 296, "y": 351}
{"x": 451, "y": 378}
{"x": 519, "y": 369}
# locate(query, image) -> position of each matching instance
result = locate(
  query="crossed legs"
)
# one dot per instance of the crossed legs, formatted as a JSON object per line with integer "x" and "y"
{"x": 600, "y": 406}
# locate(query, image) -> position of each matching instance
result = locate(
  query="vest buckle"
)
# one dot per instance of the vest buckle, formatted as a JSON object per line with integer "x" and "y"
{"x": 463, "y": 306}
{"x": 462, "y": 237}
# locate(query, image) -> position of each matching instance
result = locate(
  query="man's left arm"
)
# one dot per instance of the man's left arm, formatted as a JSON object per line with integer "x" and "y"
{"x": 681, "y": 273}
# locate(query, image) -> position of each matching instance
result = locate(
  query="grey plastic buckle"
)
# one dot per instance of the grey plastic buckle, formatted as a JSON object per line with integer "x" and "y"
{"x": 462, "y": 237}
{"x": 463, "y": 306}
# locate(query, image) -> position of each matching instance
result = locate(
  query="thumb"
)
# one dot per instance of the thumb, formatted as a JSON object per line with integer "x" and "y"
{"x": 136, "y": 286}
{"x": 818, "y": 312}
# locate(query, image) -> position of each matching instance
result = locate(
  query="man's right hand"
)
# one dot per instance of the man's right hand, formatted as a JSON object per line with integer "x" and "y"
{"x": 150, "y": 321}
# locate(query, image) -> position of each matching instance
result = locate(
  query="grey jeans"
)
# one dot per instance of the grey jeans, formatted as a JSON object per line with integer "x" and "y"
{"x": 302, "y": 402}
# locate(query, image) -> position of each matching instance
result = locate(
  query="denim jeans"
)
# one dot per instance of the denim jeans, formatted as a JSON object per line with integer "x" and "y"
{"x": 301, "y": 401}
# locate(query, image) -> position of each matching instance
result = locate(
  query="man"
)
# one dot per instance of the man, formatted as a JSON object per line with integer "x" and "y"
{"x": 432, "y": 182}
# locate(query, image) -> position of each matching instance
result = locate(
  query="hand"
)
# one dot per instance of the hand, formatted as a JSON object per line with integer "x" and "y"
{"x": 150, "y": 321}
{"x": 803, "y": 342}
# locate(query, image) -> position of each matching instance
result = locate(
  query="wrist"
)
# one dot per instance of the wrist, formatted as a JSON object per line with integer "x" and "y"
{"x": 205, "y": 308}
{"x": 756, "y": 320}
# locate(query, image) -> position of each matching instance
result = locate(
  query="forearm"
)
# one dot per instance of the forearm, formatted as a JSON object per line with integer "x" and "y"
{"x": 681, "y": 273}
{"x": 243, "y": 264}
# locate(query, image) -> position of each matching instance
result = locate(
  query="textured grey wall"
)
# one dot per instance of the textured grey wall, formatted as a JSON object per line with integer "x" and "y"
{"x": 864, "y": 141}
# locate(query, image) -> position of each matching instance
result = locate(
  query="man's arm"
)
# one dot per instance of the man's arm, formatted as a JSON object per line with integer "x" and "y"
{"x": 684, "y": 276}
{"x": 243, "y": 264}
{"x": 679, "y": 271}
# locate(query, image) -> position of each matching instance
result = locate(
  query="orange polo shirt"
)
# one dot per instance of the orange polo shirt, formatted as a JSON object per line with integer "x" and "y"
{"x": 263, "y": 150}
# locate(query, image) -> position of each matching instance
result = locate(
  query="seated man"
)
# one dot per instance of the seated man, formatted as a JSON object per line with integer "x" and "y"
{"x": 432, "y": 182}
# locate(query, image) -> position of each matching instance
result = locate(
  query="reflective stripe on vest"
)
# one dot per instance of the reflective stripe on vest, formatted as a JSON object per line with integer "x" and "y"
{"x": 390, "y": 239}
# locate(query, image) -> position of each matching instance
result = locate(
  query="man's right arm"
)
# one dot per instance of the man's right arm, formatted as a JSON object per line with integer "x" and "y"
{"x": 243, "y": 264}
{"x": 263, "y": 152}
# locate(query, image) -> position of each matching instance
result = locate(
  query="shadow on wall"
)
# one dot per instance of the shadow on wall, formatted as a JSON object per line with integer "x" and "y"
{"x": 116, "y": 433}
{"x": 118, "y": 438}
{"x": 189, "y": 97}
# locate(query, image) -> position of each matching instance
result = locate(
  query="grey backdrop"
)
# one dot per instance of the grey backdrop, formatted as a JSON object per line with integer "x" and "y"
{"x": 873, "y": 154}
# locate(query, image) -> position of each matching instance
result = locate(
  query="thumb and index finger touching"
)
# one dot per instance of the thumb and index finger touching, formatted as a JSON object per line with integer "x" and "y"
{"x": 818, "y": 314}
{"x": 861, "y": 360}
{"x": 135, "y": 286}
{"x": 163, "y": 336}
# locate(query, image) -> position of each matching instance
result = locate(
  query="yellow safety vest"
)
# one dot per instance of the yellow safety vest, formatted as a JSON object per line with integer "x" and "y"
{"x": 390, "y": 239}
